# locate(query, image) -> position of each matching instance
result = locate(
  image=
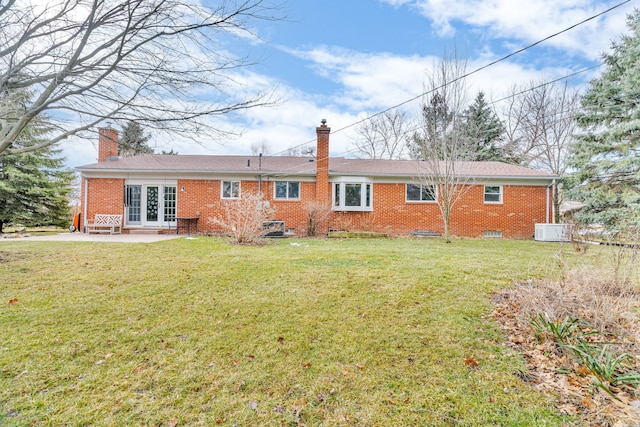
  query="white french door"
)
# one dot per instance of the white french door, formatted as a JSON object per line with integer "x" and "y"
{"x": 150, "y": 205}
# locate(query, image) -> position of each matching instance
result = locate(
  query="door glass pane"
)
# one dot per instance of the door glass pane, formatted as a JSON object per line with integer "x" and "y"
{"x": 169, "y": 204}
{"x": 152, "y": 203}
{"x": 133, "y": 203}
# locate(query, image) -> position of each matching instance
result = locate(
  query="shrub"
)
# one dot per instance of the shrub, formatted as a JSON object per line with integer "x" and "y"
{"x": 243, "y": 218}
{"x": 317, "y": 215}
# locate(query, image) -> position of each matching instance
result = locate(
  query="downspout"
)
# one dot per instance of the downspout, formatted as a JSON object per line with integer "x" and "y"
{"x": 86, "y": 200}
{"x": 260, "y": 176}
{"x": 553, "y": 183}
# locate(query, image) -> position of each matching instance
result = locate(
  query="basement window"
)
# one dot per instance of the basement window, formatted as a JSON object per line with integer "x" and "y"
{"x": 492, "y": 234}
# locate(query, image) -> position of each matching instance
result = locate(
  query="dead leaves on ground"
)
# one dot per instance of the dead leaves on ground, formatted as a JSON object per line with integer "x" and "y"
{"x": 551, "y": 370}
{"x": 471, "y": 362}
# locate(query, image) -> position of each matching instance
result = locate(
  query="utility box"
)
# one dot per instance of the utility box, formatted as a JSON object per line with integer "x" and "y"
{"x": 553, "y": 232}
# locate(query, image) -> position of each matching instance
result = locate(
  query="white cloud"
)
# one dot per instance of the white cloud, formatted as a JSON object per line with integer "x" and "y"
{"x": 370, "y": 81}
{"x": 528, "y": 21}
{"x": 367, "y": 83}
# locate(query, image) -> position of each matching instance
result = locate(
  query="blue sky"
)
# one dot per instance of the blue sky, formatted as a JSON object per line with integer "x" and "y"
{"x": 345, "y": 60}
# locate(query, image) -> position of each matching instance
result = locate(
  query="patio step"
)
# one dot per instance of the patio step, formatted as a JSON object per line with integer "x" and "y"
{"x": 143, "y": 231}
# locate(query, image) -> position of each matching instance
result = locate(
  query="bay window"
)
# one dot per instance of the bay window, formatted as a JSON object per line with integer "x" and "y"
{"x": 352, "y": 194}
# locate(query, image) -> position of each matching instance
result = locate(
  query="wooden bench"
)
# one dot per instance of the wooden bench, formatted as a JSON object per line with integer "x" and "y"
{"x": 105, "y": 223}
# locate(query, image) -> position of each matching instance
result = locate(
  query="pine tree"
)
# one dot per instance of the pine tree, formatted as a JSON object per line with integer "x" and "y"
{"x": 133, "y": 141}
{"x": 34, "y": 185}
{"x": 437, "y": 120}
{"x": 607, "y": 153}
{"x": 483, "y": 130}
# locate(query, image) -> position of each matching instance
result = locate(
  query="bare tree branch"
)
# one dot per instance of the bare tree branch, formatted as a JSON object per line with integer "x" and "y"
{"x": 542, "y": 124}
{"x": 161, "y": 63}
{"x": 383, "y": 136}
{"x": 441, "y": 143}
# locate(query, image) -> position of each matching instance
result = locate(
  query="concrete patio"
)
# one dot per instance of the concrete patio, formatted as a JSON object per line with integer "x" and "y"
{"x": 84, "y": 237}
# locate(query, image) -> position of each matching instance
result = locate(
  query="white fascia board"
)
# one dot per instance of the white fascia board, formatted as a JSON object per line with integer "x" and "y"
{"x": 520, "y": 181}
{"x": 213, "y": 176}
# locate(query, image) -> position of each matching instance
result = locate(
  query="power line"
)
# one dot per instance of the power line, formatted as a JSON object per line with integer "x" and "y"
{"x": 477, "y": 70}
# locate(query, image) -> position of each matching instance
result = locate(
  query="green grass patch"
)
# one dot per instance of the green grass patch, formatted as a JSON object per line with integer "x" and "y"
{"x": 356, "y": 235}
{"x": 297, "y": 332}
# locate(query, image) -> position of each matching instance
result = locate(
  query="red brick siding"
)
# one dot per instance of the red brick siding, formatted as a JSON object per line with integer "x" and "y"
{"x": 522, "y": 208}
{"x": 106, "y": 196}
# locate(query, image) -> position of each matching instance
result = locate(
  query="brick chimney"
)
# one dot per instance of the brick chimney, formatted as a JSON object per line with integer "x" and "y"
{"x": 107, "y": 144}
{"x": 323, "y": 189}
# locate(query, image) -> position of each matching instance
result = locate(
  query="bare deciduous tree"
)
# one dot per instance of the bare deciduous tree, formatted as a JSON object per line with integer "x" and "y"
{"x": 261, "y": 147}
{"x": 542, "y": 126}
{"x": 383, "y": 136}
{"x": 306, "y": 150}
{"x": 161, "y": 63}
{"x": 442, "y": 142}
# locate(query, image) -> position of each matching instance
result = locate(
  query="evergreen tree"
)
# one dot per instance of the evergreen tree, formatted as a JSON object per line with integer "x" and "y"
{"x": 437, "y": 120}
{"x": 133, "y": 141}
{"x": 483, "y": 131}
{"x": 607, "y": 153}
{"x": 34, "y": 185}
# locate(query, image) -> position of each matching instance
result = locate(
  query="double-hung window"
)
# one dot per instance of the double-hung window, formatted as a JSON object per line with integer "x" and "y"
{"x": 354, "y": 194}
{"x": 230, "y": 189}
{"x": 493, "y": 194}
{"x": 287, "y": 190}
{"x": 421, "y": 193}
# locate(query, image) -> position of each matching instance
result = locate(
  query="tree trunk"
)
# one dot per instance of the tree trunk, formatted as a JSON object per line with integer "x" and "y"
{"x": 447, "y": 239}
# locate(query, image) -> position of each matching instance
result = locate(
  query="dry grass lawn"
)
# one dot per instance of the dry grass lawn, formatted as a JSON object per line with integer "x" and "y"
{"x": 297, "y": 332}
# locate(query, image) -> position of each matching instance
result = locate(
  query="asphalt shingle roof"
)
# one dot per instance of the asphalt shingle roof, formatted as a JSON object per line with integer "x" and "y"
{"x": 281, "y": 165}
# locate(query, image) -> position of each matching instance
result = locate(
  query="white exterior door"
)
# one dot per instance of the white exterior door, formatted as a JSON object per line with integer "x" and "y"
{"x": 150, "y": 205}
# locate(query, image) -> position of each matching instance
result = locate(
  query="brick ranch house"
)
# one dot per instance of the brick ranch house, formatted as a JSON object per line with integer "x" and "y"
{"x": 150, "y": 191}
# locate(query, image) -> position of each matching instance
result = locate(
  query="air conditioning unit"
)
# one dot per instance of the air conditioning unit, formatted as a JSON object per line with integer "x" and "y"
{"x": 553, "y": 232}
{"x": 273, "y": 228}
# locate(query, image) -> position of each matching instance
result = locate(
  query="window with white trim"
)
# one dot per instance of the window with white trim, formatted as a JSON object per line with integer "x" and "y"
{"x": 287, "y": 190}
{"x": 421, "y": 193}
{"x": 230, "y": 189}
{"x": 493, "y": 194}
{"x": 352, "y": 195}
